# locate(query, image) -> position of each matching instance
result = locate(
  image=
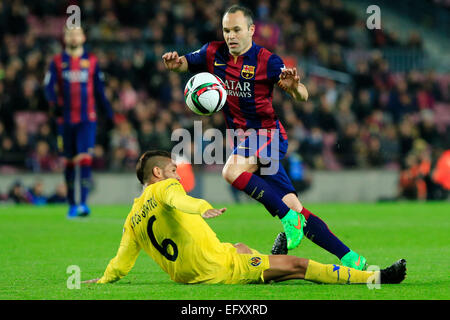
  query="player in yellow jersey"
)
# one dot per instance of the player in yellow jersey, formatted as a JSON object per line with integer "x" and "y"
{"x": 169, "y": 226}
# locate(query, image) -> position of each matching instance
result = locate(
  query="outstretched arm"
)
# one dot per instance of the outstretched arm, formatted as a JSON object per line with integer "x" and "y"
{"x": 290, "y": 82}
{"x": 175, "y": 197}
{"x": 124, "y": 260}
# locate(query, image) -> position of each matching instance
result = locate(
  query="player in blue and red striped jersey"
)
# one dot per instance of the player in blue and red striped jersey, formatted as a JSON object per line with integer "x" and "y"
{"x": 250, "y": 73}
{"x": 79, "y": 90}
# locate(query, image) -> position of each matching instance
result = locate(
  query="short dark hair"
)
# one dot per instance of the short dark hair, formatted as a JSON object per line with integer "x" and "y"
{"x": 149, "y": 160}
{"x": 246, "y": 11}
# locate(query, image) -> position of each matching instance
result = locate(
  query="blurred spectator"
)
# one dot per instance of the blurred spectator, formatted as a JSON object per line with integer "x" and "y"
{"x": 362, "y": 77}
{"x": 148, "y": 139}
{"x": 415, "y": 176}
{"x": 374, "y": 156}
{"x": 389, "y": 145}
{"x": 37, "y": 193}
{"x": 99, "y": 161}
{"x": 6, "y": 107}
{"x": 42, "y": 160}
{"x": 359, "y": 35}
{"x": 400, "y": 102}
{"x": 125, "y": 146}
{"x": 19, "y": 194}
{"x": 309, "y": 115}
{"x": 427, "y": 128}
{"x": 362, "y": 105}
{"x": 60, "y": 195}
{"x": 411, "y": 185}
{"x": 45, "y": 134}
{"x": 311, "y": 148}
{"x": 128, "y": 96}
{"x": 22, "y": 144}
{"x": 267, "y": 34}
{"x": 406, "y": 137}
{"x": 344, "y": 115}
{"x": 163, "y": 136}
{"x": 346, "y": 149}
{"x": 414, "y": 41}
{"x": 17, "y": 23}
{"x": 10, "y": 154}
{"x": 296, "y": 168}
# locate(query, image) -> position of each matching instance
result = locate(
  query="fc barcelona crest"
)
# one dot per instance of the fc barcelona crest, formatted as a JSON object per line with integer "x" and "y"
{"x": 248, "y": 72}
{"x": 84, "y": 63}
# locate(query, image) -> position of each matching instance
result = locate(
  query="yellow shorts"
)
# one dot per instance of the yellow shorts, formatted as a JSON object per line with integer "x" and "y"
{"x": 227, "y": 267}
{"x": 247, "y": 268}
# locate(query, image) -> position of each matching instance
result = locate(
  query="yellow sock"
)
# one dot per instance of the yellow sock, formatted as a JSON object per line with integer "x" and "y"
{"x": 332, "y": 273}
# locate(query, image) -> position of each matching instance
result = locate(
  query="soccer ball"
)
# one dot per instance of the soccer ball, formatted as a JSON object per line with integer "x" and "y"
{"x": 205, "y": 93}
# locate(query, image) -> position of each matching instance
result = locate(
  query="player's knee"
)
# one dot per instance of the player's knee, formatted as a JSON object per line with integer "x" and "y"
{"x": 242, "y": 248}
{"x": 300, "y": 265}
{"x": 229, "y": 173}
{"x": 294, "y": 265}
{"x": 86, "y": 160}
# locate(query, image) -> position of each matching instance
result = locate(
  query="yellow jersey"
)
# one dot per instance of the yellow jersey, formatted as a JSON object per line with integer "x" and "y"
{"x": 166, "y": 223}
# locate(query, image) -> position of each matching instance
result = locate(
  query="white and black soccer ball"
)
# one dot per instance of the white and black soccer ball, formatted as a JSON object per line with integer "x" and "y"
{"x": 205, "y": 93}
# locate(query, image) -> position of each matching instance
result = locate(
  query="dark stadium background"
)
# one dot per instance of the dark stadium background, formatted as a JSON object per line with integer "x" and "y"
{"x": 379, "y": 99}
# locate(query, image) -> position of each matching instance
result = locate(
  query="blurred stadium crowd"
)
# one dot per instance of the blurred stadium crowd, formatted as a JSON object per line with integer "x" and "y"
{"x": 361, "y": 113}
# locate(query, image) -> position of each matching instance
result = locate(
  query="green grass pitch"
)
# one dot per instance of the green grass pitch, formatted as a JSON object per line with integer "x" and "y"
{"x": 37, "y": 244}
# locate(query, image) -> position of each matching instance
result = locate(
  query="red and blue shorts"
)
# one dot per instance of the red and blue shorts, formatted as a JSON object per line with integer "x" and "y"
{"x": 77, "y": 138}
{"x": 268, "y": 147}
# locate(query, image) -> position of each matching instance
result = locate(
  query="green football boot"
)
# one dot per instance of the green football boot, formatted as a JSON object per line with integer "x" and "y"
{"x": 354, "y": 260}
{"x": 293, "y": 223}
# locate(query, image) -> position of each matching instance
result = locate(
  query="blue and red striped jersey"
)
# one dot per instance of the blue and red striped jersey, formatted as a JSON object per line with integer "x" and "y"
{"x": 79, "y": 87}
{"x": 249, "y": 83}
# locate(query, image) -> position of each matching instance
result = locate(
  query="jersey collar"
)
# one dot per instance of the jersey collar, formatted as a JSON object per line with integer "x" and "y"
{"x": 249, "y": 52}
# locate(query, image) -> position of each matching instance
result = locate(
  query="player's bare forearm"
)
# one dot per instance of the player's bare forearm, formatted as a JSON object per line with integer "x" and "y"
{"x": 290, "y": 82}
{"x": 301, "y": 94}
{"x": 91, "y": 281}
{"x": 212, "y": 213}
{"x": 183, "y": 67}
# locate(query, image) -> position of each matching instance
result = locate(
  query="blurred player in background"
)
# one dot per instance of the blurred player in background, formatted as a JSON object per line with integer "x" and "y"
{"x": 168, "y": 225}
{"x": 250, "y": 73}
{"x": 79, "y": 91}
